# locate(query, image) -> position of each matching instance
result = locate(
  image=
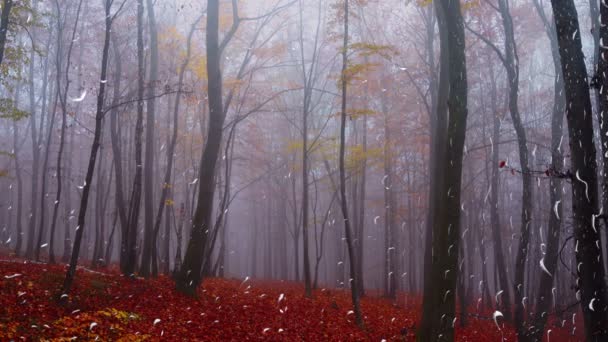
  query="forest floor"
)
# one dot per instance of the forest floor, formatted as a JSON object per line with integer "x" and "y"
{"x": 106, "y": 306}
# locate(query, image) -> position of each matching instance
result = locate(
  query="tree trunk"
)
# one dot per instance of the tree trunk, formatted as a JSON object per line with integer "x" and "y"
{"x": 511, "y": 62}
{"x": 47, "y": 152}
{"x": 18, "y": 223}
{"x": 305, "y": 188}
{"x": 189, "y": 277}
{"x": 544, "y": 296}
{"x": 129, "y": 264}
{"x": 63, "y": 101}
{"x": 69, "y": 278}
{"x": 7, "y": 5}
{"x": 439, "y": 305}
{"x": 116, "y": 145}
{"x": 590, "y": 270}
{"x": 389, "y": 277}
{"x": 29, "y": 252}
{"x": 602, "y": 92}
{"x": 149, "y": 220}
{"x": 501, "y": 269}
{"x": 344, "y": 205}
{"x": 438, "y": 132}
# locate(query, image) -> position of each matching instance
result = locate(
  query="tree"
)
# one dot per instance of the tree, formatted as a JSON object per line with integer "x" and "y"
{"x": 343, "y": 203}
{"x": 109, "y": 19}
{"x": 439, "y": 305}
{"x": 173, "y": 142}
{"x": 148, "y": 265}
{"x": 510, "y": 61}
{"x": 189, "y": 276}
{"x": 590, "y": 271}
{"x": 63, "y": 93}
{"x": 547, "y": 279}
{"x": 7, "y": 5}
{"x": 308, "y": 79}
{"x": 129, "y": 248}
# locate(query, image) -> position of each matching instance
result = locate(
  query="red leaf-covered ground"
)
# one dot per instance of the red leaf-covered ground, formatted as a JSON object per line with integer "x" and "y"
{"x": 106, "y": 306}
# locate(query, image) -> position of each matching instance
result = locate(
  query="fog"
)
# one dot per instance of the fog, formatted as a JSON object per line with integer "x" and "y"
{"x": 229, "y": 164}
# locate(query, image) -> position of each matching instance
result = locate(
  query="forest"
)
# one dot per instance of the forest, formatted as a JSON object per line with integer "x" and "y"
{"x": 304, "y": 170}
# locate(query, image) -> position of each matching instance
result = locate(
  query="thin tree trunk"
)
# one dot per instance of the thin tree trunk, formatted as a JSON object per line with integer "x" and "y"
{"x": 149, "y": 221}
{"x": 511, "y": 62}
{"x": 43, "y": 194}
{"x": 389, "y": 277}
{"x": 69, "y": 278}
{"x": 29, "y": 252}
{"x": 344, "y": 205}
{"x": 547, "y": 279}
{"x": 501, "y": 269}
{"x": 63, "y": 100}
{"x": 18, "y": 222}
{"x": 116, "y": 145}
{"x": 171, "y": 148}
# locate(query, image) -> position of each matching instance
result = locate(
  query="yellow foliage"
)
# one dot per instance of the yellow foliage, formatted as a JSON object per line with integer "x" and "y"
{"x": 106, "y": 325}
{"x": 294, "y": 146}
{"x": 354, "y": 71}
{"x": 198, "y": 66}
{"x": 357, "y": 113}
{"x": 470, "y": 4}
{"x": 122, "y": 316}
{"x": 367, "y": 49}
{"x": 357, "y": 155}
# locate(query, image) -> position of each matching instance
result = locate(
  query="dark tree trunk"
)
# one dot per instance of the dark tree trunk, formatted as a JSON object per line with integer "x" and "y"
{"x": 389, "y": 277}
{"x": 438, "y": 132}
{"x": 67, "y": 241}
{"x": 29, "y": 252}
{"x": 511, "y": 62}
{"x": 305, "y": 188}
{"x": 129, "y": 264}
{"x": 63, "y": 101}
{"x": 116, "y": 145}
{"x": 439, "y": 305}
{"x": 544, "y": 296}
{"x": 43, "y": 194}
{"x": 173, "y": 142}
{"x": 601, "y": 83}
{"x": 591, "y": 283}
{"x": 149, "y": 220}
{"x": 108, "y": 250}
{"x": 189, "y": 277}
{"x": 7, "y": 5}
{"x": 18, "y": 222}
{"x": 501, "y": 269}
{"x": 344, "y": 205}
{"x": 69, "y": 278}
